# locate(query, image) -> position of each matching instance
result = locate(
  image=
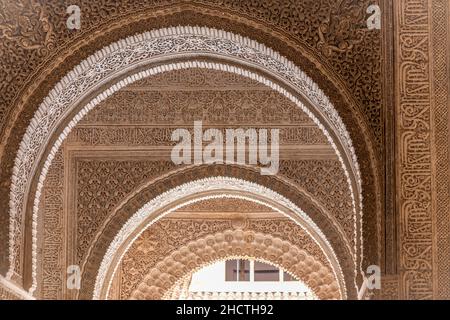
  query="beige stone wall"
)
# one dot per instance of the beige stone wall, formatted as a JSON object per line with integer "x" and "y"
{"x": 422, "y": 105}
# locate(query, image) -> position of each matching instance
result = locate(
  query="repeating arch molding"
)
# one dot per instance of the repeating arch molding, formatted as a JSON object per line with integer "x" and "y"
{"x": 201, "y": 190}
{"x": 238, "y": 244}
{"x": 143, "y": 55}
{"x": 155, "y": 188}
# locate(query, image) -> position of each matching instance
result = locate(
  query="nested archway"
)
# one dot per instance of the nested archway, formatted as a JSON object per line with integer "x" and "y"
{"x": 61, "y": 111}
{"x": 199, "y": 190}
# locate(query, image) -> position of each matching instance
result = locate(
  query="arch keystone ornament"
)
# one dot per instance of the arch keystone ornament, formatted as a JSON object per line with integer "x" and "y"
{"x": 143, "y": 55}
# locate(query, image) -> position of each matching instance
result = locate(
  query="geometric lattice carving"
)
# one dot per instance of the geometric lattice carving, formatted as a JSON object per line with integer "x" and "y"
{"x": 101, "y": 185}
{"x": 324, "y": 180}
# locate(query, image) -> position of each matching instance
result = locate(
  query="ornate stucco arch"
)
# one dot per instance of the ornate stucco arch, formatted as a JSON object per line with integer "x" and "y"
{"x": 173, "y": 191}
{"x": 200, "y": 190}
{"x": 142, "y": 216}
{"x": 238, "y": 244}
{"x": 133, "y": 58}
